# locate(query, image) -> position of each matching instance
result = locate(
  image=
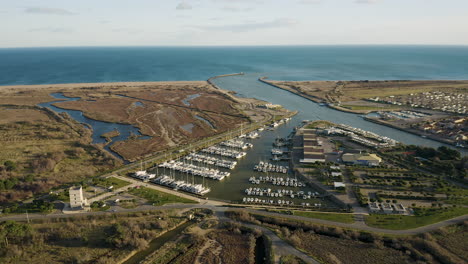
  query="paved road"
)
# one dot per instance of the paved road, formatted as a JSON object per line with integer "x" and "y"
{"x": 219, "y": 207}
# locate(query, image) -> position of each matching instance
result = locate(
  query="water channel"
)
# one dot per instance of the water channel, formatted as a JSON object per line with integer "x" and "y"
{"x": 158, "y": 242}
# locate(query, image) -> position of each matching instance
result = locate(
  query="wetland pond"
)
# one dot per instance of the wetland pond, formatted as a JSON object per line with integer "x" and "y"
{"x": 98, "y": 127}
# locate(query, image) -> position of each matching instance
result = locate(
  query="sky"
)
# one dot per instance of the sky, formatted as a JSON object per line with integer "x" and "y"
{"x": 42, "y": 23}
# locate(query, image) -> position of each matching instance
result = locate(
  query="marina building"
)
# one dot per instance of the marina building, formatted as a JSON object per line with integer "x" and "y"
{"x": 313, "y": 150}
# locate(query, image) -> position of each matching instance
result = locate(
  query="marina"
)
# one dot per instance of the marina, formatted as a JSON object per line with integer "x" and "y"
{"x": 252, "y": 200}
{"x": 170, "y": 182}
{"x": 224, "y": 152}
{"x": 227, "y": 164}
{"x": 239, "y": 159}
{"x": 280, "y": 193}
{"x": 279, "y": 181}
{"x": 236, "y": 143}
{"x": 195, "y": 170}
{"x": 269, "y": 167}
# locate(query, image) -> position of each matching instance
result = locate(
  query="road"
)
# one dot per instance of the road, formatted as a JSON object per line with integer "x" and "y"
{"x": 361, "y": 225}
{"x": 218, "y": 207}
{"x": 280, "y": 247}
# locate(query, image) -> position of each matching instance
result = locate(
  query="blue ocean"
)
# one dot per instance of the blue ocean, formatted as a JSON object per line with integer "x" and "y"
{"x": 113, "y": 64}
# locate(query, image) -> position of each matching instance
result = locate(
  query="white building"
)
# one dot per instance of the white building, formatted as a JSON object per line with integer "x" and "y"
{"x": 374, "y": 207}
{"x": 77, "y": 199}
{"x": 399, "y": 208}
{"x": 387, "y": 208}
{"x": 336, "y": 174}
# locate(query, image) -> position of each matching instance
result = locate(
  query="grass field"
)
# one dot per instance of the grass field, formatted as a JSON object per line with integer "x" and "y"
{"x": 342, "y": 218}
{"x": 158, "y": 198}
{"x": 423, "y": 217}
{"x": 348, "y": 91}
{"x": 336, "y": 217}
{"x": 111, "y": 181}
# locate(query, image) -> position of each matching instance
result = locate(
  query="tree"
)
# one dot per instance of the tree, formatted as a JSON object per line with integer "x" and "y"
{"x": 10, "y": 165}
{"x": 11, "y": 231}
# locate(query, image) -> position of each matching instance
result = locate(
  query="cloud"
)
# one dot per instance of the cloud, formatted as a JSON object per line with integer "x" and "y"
{"x": 366, "y": 1}
{"x": 184, "y": 6}
{"x": 52, "y": 30}
{"x": 130, "y": 31}
{"x": 236, "y": 9}
{"x": 240, "y": 1}
{"x": 48, "y": 11}
{"x": 251, "y": 26}
{"x": 309, "y": 2}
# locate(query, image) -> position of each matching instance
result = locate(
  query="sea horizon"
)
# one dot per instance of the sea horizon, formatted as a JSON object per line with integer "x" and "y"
{"x": 241, "y": 46}
{"x": 58, "y": 65}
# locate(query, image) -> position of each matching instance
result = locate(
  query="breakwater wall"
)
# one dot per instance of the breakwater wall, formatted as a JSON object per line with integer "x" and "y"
{"x": 308, "y": 97}
{"x": 210, "y": 80}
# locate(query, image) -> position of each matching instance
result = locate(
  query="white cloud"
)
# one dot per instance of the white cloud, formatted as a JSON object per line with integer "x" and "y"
{"x": 48, "y": 11}
{"x": 126, "y": 30}
{"x": 52, "y": 30}
{"x": 309, "y": 2}
{"x": 366, "y": 1}
{"x": 237, "y": 9}
{"x": 184, "y": 6}
{"x": 250, "y": 26}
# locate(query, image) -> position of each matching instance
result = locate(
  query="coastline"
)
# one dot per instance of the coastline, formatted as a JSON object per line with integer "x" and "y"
{"x": 94, "y": 85}
{"x": 313, "y": 98}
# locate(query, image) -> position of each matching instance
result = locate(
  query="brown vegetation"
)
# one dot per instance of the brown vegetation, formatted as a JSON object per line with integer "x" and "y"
{"x": 160, "y": 110}
{"x": 162, "y": 113}
{"x": 47, "y": 152}
{"x": 92, "y": 239}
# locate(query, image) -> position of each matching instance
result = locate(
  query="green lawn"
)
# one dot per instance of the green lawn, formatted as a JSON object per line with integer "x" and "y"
{"x": 157, "y": 197}
{"x": 290, "y": 259}
{"x": 342, "y": 218}
{"x": 422, "y": 217}
{"x": 319, "y": 124}
{"x": 111, "y": 181}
